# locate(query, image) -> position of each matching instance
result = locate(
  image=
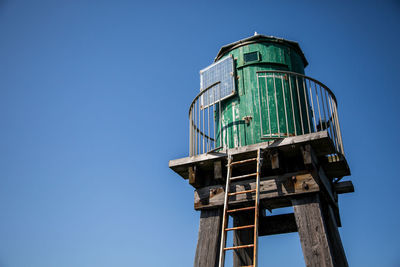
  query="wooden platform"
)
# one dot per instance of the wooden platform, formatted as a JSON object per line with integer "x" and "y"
{"x": 285, "y": 150}
{"x": 302, "y": 172}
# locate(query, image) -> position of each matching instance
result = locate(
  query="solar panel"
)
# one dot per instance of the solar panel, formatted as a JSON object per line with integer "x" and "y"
{"x": 221, "y": 74}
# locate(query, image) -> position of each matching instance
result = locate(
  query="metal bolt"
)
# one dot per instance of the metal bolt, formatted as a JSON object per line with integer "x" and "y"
{"x": 294, "y": 179}
{"x": 305, "y": 186}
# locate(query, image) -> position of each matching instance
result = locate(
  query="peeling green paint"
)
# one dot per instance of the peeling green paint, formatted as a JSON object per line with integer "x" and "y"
{"x": 253, "y": 92}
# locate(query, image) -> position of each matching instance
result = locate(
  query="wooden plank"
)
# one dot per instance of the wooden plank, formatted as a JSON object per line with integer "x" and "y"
{"x": 322, "y": 137}
{"x": 270, "y": 187}
{"x": 320, "y": 141}
{"x": 195, "y": 159}
{"x": 312, "y": 231}
{"x": 277, "y": 224}
{"x": 208, "y": 244}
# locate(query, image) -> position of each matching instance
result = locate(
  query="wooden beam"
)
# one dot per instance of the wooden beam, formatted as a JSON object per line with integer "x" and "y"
{"x": 335, "y": 243}
{"x": 344, "y": 187}
{"x": 193, "y": 175}
{"x": 312, "y": 231}
{"x": 337, "y": 169}
{"x": 335, "y": 166}
{"x": 208, "y": 244}
{"x": 311, "y": 162}
{"x": 320, "y": 141}
{"x": 270, "y": 187}
{"x": 328, "y": 193}
{"x": 277, "y": 224}
{"x": 327, "y": 185}
{"x": 309, "y": 156}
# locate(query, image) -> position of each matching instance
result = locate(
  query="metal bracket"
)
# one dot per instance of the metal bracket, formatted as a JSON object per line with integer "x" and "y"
{"x": 247, "y": 119}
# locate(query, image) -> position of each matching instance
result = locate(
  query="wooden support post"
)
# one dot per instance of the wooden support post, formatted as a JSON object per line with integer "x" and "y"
{"x": 208, "y": 244}
{"x": 192, "y": 175}
{"x": 313, "y": 232}
{"x": 243, "y": 257}
{"x": 299, "y": 173}
{"x": 311, "y": 162}
{"x": 339, "y": 256}
{"x": 218, "y": 170}
{"x": 274, "y": 155}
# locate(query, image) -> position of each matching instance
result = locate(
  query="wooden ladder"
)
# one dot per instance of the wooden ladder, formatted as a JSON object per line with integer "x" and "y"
{"x": 227, "y": 211}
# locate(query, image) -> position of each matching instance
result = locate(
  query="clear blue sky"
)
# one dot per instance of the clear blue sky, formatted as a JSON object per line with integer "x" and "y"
{"x": 94, "y": 97}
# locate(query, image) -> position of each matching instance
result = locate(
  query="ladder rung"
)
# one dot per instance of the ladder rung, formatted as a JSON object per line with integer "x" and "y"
{"x": 238, "y": 247}
{"x": 243, "y": 161}
{"x": 243, "y": 176}
{"x": 240, "y": 227}
{"x": 241, "y": 209}
{"x": 242, "y": 192}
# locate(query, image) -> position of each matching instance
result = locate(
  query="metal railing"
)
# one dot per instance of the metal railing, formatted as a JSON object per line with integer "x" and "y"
{"x": 203, "y": 125}
{"x": 289, "y": 104}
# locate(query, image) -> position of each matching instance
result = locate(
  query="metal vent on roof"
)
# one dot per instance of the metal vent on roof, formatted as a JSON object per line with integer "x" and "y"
{"x": 221, "y": 75}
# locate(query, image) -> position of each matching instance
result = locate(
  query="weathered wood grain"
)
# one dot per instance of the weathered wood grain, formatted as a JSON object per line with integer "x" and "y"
{"x": 311, "y": 162}
{"x": 271, "y": 187}
{"x": 312, "y": 231}
{"x": 320, "y": 141}
{"x": 208, "y": 244}
{"x": 338, "y": 254}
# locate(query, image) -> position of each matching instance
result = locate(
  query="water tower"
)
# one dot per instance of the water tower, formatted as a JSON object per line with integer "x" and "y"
{"x": 264, "y": 136}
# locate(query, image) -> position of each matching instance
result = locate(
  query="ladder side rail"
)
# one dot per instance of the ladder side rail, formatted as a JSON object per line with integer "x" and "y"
{"x": 225, "y": 215}
{"x": 256, "y": 211}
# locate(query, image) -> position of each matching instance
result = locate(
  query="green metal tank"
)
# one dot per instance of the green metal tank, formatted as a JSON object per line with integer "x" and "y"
{"x": 263, "y": 107}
